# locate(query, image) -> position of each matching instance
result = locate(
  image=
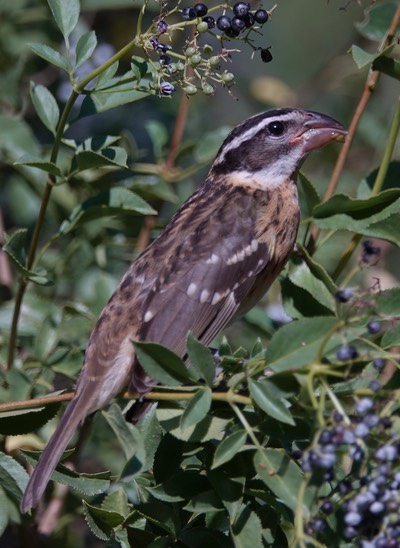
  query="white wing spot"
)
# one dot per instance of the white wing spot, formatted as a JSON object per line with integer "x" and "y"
{"x": 241, "y": 255}
{"x": 204, "y": 295}
{"x": 213, "y": 259}
{"x": 191, "y": 290}
{"x": 139, "y": 279}
{"x": 232, "y": 260}
{"x": 216, "y": 298}
{"x": 254, "y": 245}
{"x": 148, "y": 316}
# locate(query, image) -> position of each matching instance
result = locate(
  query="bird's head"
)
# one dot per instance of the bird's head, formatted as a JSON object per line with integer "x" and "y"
{"x": 273, "y": 145}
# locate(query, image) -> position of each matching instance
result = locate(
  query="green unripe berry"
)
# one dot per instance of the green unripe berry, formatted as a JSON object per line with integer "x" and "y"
{"x": 180, "y": 65}
{"x": 208, "y": 89}
{"x": 213, "y": 61}
{"x": 228, "y": 77}
{"x": 202, "y": 27}
{"x": 190, "y": 51}
{"x": 172, "y": 68}
{"x": 190, "y": 89}
{"x": 207, "y": 48}
{"x": 195, "y": 59}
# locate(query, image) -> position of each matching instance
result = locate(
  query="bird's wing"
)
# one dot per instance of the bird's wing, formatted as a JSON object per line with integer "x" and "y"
{"x": 202, "y": 282}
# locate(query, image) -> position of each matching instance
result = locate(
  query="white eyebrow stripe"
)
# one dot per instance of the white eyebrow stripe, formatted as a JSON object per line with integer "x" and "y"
{"x": 237, "y": 141}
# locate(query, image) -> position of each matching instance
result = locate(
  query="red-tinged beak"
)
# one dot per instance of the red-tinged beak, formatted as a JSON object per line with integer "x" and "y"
{"x": 319, "y": 130}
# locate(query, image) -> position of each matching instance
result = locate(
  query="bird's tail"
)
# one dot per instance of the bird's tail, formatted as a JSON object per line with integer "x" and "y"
{"x": 75, "y": 412}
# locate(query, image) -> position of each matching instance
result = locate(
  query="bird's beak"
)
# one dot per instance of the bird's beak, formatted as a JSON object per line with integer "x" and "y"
{"x": 319, "y": 130}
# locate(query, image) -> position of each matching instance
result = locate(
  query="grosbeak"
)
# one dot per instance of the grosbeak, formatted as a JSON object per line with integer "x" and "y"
{"x": 215, "y": 259}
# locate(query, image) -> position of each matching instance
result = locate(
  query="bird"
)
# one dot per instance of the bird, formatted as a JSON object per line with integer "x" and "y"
{"x": 212, "y": 263}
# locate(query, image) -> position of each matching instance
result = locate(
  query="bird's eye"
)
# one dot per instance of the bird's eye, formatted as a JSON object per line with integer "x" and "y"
{"x": 276, "y": 128}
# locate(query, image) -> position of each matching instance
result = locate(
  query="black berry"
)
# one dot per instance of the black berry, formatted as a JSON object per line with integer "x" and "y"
{"x": 261, "y": 16}
{"x": 379, "y": 363}
{"x": 248, "y": 19}
{"x": 200, "y": 9}
{"x": 162, "y": 26}
{"x": 374, "y": 327}
{"x": 237, "y": 24}
{"x": 210, "y": 21}
{"x": 344, "y": 295}
{"x": 346, "y": 352}
{"x": 188, "y": 14}
{"x": 224, "y": 23}
{"x": 241, "y": 8}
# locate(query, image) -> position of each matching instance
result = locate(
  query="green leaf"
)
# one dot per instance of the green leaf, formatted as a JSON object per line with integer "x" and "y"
{"x": 66, "y": 14}
{"x": 49, "y": 167}
{"x": 377, "y": 21}
{"x": 139, "y": 67}
{"x": 161, "y": 363}
{"x": 104, "y": 78}
{"x": 228, "y": 448}
{"x": 45, "y": 106}
{"x": 363, "y": 58}
{"x": 13, "y": 423}
{"x": 201, "y": 360}
{"x": 158, "y": 135}
{"x": 111, "y": 202}
{"x": 296, "y": 344}
{"x": 388, "y": 66}
{"x": 116, "y": 501}
{"x": 100, "y": 101}
{"x": 102, "y": 522}
{"x": 49, "y": 54}
{"x": 123, "y": 430}
{"x": 13, "y": 477}
{"x": 300, "y": 275}
{"x": 247, "y": 529}
{"x": 85, "y": 47}
{"x": 388, "y": 302}
{"x": 265, "y": 395}
{"x": 391, "y": 337}
{"x": 181, "y": 486}
{"x": 308, "y": 195}
{"x": 280, "y": 474}
{"x": 15, "y": 249}
{"x": 89, "y": 484}
{"x": 197, "y": 408}
{"x": 209, "y": 428}
{"x": 318, "y": 270}
{"x": 111, "y": 156}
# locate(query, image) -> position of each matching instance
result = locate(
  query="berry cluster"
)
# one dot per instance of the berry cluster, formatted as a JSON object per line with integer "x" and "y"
{"x": 367, "y": 500}
{"x": 204, "y": 65}
{"x": 371, "y": 253}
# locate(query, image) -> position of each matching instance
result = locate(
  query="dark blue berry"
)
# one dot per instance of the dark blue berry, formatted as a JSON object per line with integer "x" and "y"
{"x": 374, "y": 327}
{"x": 237, "y": 24}
{"x": 249, "y": 19}
{"x": 327, "y": 507}
{"x": 364, "y": 405}
{"x": 162, "y": 26}
{"x": 346, "y": 352}
{"x": 200, "y": 9}
{"x": 241, "y": 8}
{"x": 325, "y": 437}
{"x": 188, "y": 14}
{"x": 210, "y": 21}
{"x": 232, "y": 33}
{"x": 344, "y": 295}
{"x": 266, "y": 55}
{"x": 353, "y": 519}
{"x": 261, "y": 16}
{"x": 223, "y": 23}
{"x": 317, "y": 525}
{"x": 375, "y": 386}
{"x": 379, "y": 363}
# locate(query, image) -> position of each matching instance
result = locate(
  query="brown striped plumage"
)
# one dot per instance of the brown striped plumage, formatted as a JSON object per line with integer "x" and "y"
{"x": 216, "y": 258}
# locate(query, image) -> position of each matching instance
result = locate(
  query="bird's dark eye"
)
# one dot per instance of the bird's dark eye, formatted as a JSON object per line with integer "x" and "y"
{"x": 276, "y": 128}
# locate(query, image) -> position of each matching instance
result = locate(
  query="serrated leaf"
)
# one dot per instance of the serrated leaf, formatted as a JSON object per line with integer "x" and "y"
{"x": 122, "y": 430}
{"x": 102, "y": 522}
{"x": 300, "y": 275}
{"x": 197, "y": 408}
{"x": 48, "y": 167}
{"x": 228, "y": 448}
{"x": 85, "y": 47}
{"x": 296, "y": 344}
{"x": 391, "y": 337}
{"x": 111, "y": 202}
{"x": 209, "y": 428}
{"x": 266, "y": 397}
{"x": 388, "y": 302}
{"x": 247, "y": 529}
{"x": 161, "y": 363}
{"x": 46, "y": 106}
{"x": 13, "y": 423}
{"x": 181, "y": 486}
{"x": 13, "y": 477}
{"x": 116, "y": 501}
{"x": 89, "y": 484}
{"x": 15, "y": 249}
{"x": 317, "y": 270}
{"x": 49, "y": 54}
{"x": 308, "y": 195}
{"x": 377, "y": 20}
{"x": 280, "y": 474}
{"x": 201, "y": 360}
{"x": 66, "y": 14}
